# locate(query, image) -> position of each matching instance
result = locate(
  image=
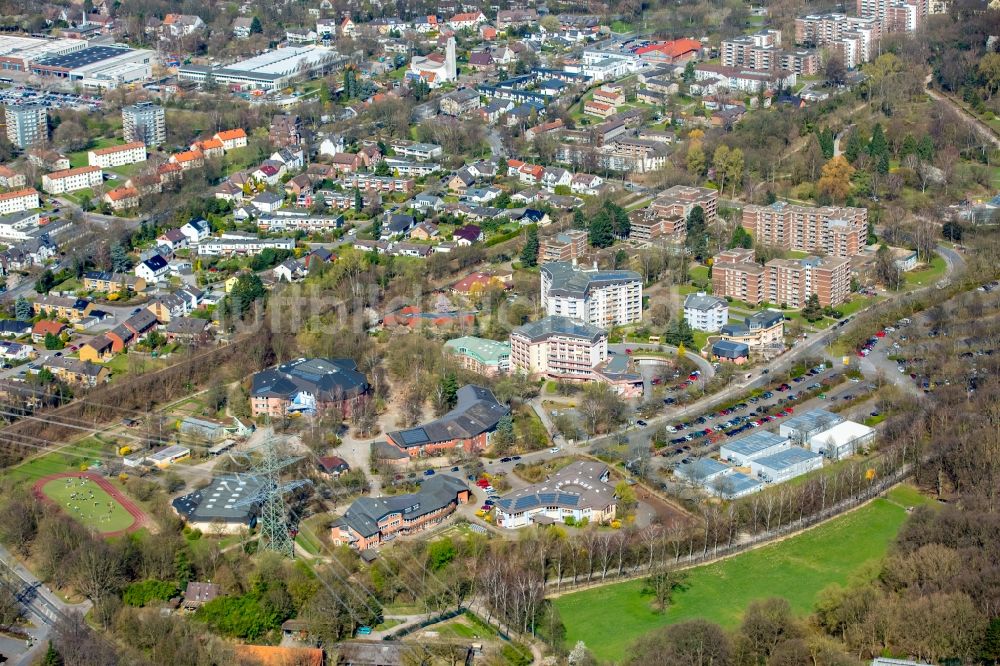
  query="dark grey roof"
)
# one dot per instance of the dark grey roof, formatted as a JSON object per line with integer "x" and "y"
{"x": 87, "y": 56}
{"x": 329, "y": 380}
{"x": 730, "y": 349}
{"x": 217, "y": 501}
{"x": 156, "y": 263}
{"x": 702, "y": 301}
{"x": 436, "y": 493}
{"x": 477, "y": 411}
{"x": 569, "y": 280}
{"x": 558, "y": 325}
{"x": 580, "y": 484}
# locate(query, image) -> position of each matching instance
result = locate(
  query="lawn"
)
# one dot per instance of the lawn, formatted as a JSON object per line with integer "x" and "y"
{"x": 67, "y": 458}
{"x": 79, "y": 158}
{"x": 609, "y": 618}
{"x": 926, "y": 275}
{"x": 88, "y": 504}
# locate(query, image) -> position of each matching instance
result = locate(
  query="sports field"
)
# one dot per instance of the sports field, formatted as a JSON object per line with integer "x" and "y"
{"x": 89, "y": 503}
{"x": 609, "y": 618}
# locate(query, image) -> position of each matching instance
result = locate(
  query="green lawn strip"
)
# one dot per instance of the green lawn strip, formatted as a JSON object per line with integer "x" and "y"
{"x": 65, "y": 459}
{"x": 101, "y": 514}
{"x": 609, "y": 618}
{"x": 927, "y": 275}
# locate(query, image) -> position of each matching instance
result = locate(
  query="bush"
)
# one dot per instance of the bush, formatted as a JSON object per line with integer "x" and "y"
{"x": 145, "y": 592}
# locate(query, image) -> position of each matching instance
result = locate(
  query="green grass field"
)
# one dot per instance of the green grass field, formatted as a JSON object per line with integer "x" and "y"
{"x": 68, "y": 458}
{"x": 609, "y": 618}
{"x": 927, "y": 275}
{"x": 87, "y": 503}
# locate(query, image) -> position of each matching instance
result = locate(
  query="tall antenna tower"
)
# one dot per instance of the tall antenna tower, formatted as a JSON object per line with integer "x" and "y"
{"x": 276, "y": 532}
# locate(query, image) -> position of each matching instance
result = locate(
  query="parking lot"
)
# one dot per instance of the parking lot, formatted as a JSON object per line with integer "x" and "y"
{"x": 50, "y": 99}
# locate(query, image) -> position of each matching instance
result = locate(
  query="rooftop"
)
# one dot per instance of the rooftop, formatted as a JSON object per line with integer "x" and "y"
{"x": 755, "y": 442}
{"x": 219, "y": 500}
{"x": 558, "y": 325}
{"x": 476, "y": 412}
{"x": 578, "y": 485}
{"x": 435, "y": 493}
{"x": 787, "y": 458}
{"x": 569, "y": 280}
{"x": 483, "y": 350}
{"x": 813, "y": 419}
{"x": 702, "y": 469}
{"x": 702, "y": 301}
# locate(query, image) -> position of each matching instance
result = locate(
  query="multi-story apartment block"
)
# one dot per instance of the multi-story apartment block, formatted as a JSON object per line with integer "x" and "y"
{"x": 788, "y": 282}
{"x": 705, "y": 313}
{"x": 762, "y": 52}
{"x": 680, "y": 200}
{"x": 853, "y": 37}
{"x": 27, "y": 124}
{"x": 144, "y": 122}
{"x": 648, "y": 226}
{"x": 750, "y": 50}
{"x": 565, "y": 246}
{"x": 558, "y": 348}
{"x": 71, "y": 180}
{"x": 115, "y": 156}
{"x": 599, "y": 298}
{"x": 759, "y": 331}
{"x": 838, "y": 231}
{"x": 18, "y": 200}
{"x": 894, "y": 15}
{"x": 735, "y": 274}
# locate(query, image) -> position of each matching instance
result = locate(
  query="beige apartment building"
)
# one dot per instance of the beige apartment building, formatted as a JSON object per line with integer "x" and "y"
{"x": 787, "y": 282}
{"x": 837, "y": 231}
{"x": 679, "y": 200}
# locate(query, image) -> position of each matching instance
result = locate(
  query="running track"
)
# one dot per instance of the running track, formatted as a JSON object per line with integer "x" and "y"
{"x": 139, "y": 518}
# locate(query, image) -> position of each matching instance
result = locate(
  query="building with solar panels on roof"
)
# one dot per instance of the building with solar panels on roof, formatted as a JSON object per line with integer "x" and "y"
{"x": 308, "y": 386}
{"x": 468, "y": 426}
{"x": 372, "y": 521}
{"x": 599, "y": 298}
{"x": 579, "y": 491}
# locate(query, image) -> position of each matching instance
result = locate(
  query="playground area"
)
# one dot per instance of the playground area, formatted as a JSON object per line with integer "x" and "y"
{"x": 93, "y": 501}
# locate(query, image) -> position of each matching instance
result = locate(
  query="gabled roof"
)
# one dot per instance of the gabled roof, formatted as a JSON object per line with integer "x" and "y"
{"x": 476, "y": 412}
{"x": 435, "y": 493}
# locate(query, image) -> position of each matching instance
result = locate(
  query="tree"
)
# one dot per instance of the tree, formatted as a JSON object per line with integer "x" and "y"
{"x": 720, "y": 161}
{"x": 679, "y": 333}
{"x": 740, "y": 238}
{"x": 376, "y": 228}
{"x": 812, "y": 311}
{"x": 661, "y": 586}
{"x": 53, "y": 342}
{"x": 689, "y": 73}
{"x": 989, "y": 71}
{"x": 878, "y": 149}
{"x": 579, "y": 220}
{"x": 855, "y": 145}
{"x": 382, "y": 168}
{"x": 255, "y": 27}
{"x": 886, "y": 270}
{"x": 826, "y": 141}
{"x": 620, "y": 223}
{"x": 503, "y": 436}
{"x": 697, "y": 233}
{"x": 691, "y": 643}
{"x": 119, "y": 259}
{"x": 45, "y": 282}
{"x": 835, "y": 179}
{"x": 52, "y": 657}
{"x": 695, "y": 160}
{"x": 440, "y": 553}
{"x": 358, "y": 201}
{"x": 449, "y": 390}
{"x": 835, "y": 71}
{"x": 529, "y": 255}
{"x": 22, "y": 309}
{"x": 601, "y": 233}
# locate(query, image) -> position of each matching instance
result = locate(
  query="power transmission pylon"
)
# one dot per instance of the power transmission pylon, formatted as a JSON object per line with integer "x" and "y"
{"x": 275, "y": 531}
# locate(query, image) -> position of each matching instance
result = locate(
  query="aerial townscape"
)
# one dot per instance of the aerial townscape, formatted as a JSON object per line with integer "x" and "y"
{"x": 558, "y": 333}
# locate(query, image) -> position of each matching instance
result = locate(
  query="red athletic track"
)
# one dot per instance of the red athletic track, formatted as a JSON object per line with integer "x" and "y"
{"x": 138, "y": 516}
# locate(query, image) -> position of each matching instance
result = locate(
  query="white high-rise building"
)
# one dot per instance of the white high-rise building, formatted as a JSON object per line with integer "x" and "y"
{"x": 436, "y": 69}
{"x": 599, "y": 298}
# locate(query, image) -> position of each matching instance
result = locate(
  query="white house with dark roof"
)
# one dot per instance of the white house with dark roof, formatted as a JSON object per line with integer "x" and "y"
{"x": 578, "y": 492}
{"x": 705, "y": 313}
